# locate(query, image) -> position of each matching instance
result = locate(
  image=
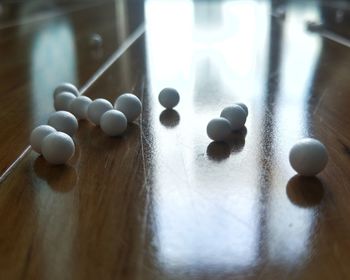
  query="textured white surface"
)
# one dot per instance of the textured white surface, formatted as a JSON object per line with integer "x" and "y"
{"x": 308, "y": 157}
{"x": 113, "y": 123}
{"x": 63, "y": 121}
{"x": 130, "y": 105}
{"x": 65, "y": 87}
{"x": 218, "y": 129}
{"x": 78, "y": 107}
{"x": 37, "y": 136}
{"x": 236, "y": 115}
{"x": 97, "y": 108}
{"x": 169, "y": 98}
{"x": 63, "y": 101}
{"x": 58, "y": 148}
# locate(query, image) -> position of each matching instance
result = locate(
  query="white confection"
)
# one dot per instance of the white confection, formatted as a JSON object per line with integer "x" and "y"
{"x": 236, "y": 115}
{"x": 63, "y": 121}
{"x": 58, "y": 148}
{"x": 218, "y": 129}
{"x": 113, "y": 123}
{"x": 96, "y": 40}
{"x": 308, "y": 157}
{"x": 130, "y": 105}
{"x": 65, "y": 87}
{"x": 244, "y": 107}
{"x": 37, "y": 136}
{"x": 97, "y": 108}
{"x": 63, "y": 100}
{"x": 169, "y": 98}
{"x": 79, "y": 106}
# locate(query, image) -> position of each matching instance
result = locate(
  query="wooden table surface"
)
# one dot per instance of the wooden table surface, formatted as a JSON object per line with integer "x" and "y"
{"x": 163, "y": 201}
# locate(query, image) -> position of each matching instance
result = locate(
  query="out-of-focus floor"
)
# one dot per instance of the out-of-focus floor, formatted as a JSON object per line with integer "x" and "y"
{"x": 163, "y": 202}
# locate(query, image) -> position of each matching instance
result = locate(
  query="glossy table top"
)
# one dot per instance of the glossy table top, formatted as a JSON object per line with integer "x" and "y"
{"x": 163, "y": 201}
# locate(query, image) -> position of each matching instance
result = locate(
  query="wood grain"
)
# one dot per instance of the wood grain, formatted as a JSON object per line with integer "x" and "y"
{"x": 163, "y": 202}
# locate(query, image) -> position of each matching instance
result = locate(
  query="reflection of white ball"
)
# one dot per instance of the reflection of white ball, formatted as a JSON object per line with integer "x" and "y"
{"x": 169, "y": 98}
{"x": 244, "y": 107}
{"x": 63, "y": 121}
{"x": 218, "y": 129}
{"x": 308, "y": 157}
{"x": 65, "y": 87}
{"x": 79, "y": 106}
{"x": 236, "y": 115}
{"x": 37, "y": 136}
{"x": 130, "y": 105}
{"x": 58, "y": 148}
{"x": 113, "y": 123}
{"x": 63, "y": 100}
{"x": 97, "y": 108}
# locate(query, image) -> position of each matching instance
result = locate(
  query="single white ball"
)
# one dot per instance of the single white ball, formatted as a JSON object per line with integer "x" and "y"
{"x": 235, "y": 115}
{"x": 308, "y": 157}
{"x": 169, "y": 98}
{"x": 113, "y": 123}
{"x": 63, "y": 121}
{"x": 97, "y": 108}
{"x": 79, "y": 107}
{"x": 218, "y": 129}
{"x": 38, "y": 134}
{"x": 96, "y": 40}
{"x": 58, "y": 148}
{"x": 63, "y": 100}
{"x": 65, "y": 87}
{"x": 244, "y": 107}
{"x": 130, "y": 105}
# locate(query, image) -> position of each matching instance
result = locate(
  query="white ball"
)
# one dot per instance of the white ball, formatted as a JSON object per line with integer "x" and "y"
{"x": 218, "y": 129}
{"x": 37, "y": 136}
{"x": 63, "y": 101}
{"x": 308, "y": 157}
{"x": 244, "y": 107}
{"x": 97, "y": 108}
{"x": 79, "y": 106}
{"x": 169, "y": 98}
{"x": 63, "y": 121}
{"x": 58, "y": 148}
{"x": 65, "y": 87}
{"x": 235, "y": 115}
{"x": 130, "y": 105}
{"x": 113, "y": 123}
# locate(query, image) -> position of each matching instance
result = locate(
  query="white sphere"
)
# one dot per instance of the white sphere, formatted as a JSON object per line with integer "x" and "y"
{"x": 244, "y": 107}
{"x": 113, "y": 123}
{"x": 79, "y": 106}
{"x": 37, "y": 136}
{"x": 235, "y": 115}
{"x": 58, "y": 148}
{"x": 63, "y": 121}
{"x": 97, "y": 108}
{"x": 130, "y": 105}
{"x": 63, "y": 101}
{"x": 96, "y": 40}
{"x": 218, "y": 129}
{"x": 65, "y": 87}
{"x": 169, "y": 98}
{"x": 308, "y": 157}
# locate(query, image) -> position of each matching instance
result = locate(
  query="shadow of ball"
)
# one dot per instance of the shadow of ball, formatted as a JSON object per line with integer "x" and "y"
{"x": 218, "y": 151}
{"x": 236, "y": 140}
{"x": 305, "y": 191}
{"x": 169, "y": 118}
{"x": 61, "y": 178}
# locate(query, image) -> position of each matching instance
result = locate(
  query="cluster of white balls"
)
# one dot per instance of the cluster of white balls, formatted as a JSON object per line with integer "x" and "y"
{"x": 308, "y": 157}
{"x": 232, "y": 118}
{"x": 54, "y": 141}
